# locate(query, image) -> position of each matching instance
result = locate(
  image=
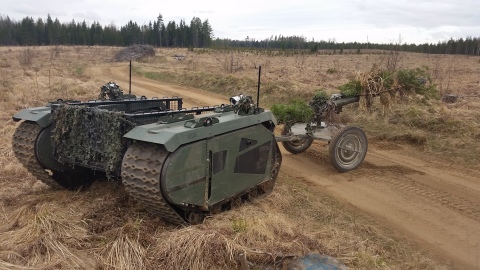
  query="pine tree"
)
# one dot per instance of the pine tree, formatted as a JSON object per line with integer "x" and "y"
{"x": 207, "y": 34}
{"x": 161, "y": 28}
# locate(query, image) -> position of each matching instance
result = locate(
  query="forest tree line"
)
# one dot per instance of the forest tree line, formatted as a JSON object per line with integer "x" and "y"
{"x": 467, "y": 46}
{"x": 196, "y": 34}
{"x": 29, "y": 32}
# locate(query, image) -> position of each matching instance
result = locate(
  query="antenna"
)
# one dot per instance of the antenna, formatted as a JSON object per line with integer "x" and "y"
{"x": 130, "y": 83}
{"x": 258, "y": 88}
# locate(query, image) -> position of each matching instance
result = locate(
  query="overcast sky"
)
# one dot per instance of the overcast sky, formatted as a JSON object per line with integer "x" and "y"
{"x": 378, "y": 21}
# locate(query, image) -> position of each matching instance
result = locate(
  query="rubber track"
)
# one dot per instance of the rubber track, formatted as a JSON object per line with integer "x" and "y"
{"x": 23, "y": 146}
{"x": 141, "y": 168}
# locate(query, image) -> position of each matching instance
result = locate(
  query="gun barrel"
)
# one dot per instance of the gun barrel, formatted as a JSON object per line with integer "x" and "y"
{"x": 346, "y": 100}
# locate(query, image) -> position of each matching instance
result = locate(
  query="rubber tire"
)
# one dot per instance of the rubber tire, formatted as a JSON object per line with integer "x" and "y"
{"x": 295, "y": 147}
{"x": 346, "y": 160}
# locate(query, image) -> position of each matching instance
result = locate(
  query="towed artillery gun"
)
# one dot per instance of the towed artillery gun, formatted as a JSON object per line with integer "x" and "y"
{"x": 347, "y": 144}
{"x": 181, "y": 164}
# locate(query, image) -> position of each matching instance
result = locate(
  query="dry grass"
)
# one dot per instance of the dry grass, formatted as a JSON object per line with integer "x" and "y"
{"x": 123, "y": 250}
{"x": 43, "y": 238}
{"x": 285, "y": 77}
{"x": 102, "y": 229}
{"x": 61, "y": 230}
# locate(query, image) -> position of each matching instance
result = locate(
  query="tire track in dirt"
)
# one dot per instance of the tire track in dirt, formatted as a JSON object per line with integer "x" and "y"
{"x": 440, "y": 227}
{"x": 459, "y": 204}
{"x": 434, "y": 203}
{"x": 424, "y": 179}
{"x": 454, "y": 189}
{"x": 447, "y": 180}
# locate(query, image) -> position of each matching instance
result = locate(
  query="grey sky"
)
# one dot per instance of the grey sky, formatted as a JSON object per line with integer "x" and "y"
{"x": 382, "y": 21}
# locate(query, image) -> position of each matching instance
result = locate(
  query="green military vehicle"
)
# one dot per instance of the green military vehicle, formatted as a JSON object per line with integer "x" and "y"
{"x": 181, "y": 164}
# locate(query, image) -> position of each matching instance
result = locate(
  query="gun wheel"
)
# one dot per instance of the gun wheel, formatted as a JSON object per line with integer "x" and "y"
{"x": 348, "y": 148}
{"x": 295, "y": 146}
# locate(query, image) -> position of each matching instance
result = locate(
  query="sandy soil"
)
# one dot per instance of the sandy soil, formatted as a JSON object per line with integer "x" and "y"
{"x": 429, "y": 201}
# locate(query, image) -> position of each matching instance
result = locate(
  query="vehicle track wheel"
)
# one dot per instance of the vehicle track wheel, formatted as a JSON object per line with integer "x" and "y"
{"x": 295, "y": 146}
{"x": 348, "y": 148}
{"x": 27, "y": 139}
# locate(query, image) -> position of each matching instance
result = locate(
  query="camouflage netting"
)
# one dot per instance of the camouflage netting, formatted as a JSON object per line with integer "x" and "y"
{"x": 134, "y": 52}
{"x": 110, "y": 90}
{"x": 90, "y": 136}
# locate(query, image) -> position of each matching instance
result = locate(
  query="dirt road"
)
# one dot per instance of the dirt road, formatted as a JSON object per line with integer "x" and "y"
{"x": 432, "y": 202}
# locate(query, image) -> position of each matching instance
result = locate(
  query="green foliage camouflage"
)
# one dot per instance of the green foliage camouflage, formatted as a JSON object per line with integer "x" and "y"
{"x": 322, "y": 108}
{"x": 320, "y": 98}
{"x": 417, "y": 81}
{"x": 90, "y": 136}
{"x": 351, "y": 89}
{"x": 294, "y": 111}
{"x": 402, "y": 81}
{"x": 301, "y": 111}
{"x": 368, "y": 85}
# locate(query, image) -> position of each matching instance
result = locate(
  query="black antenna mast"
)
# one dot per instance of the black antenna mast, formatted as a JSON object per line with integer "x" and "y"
{"x": 130, "y": 82}
{"x": 258, "y": 88}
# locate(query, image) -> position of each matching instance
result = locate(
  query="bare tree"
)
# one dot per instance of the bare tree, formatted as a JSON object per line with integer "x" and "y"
{"x": 394, "y": 58}
{"x": 26, "y": 57}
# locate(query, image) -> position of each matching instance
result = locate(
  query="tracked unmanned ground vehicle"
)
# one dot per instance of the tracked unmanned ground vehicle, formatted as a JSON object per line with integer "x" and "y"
{"x": 179, "y": 163}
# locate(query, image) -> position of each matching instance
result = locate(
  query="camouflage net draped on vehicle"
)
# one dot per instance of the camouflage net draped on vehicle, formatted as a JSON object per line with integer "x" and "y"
{"x": 90, "y": 136}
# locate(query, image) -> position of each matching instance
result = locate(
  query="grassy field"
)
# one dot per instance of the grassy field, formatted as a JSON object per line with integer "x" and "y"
{"x": 452, "y": 129}
{"x": 102, "y": 228}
